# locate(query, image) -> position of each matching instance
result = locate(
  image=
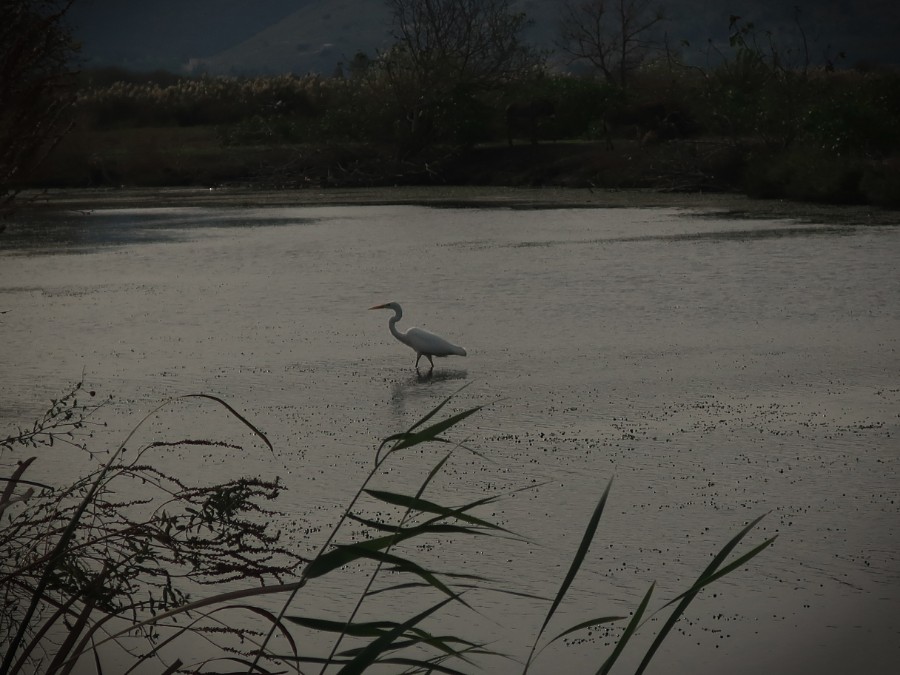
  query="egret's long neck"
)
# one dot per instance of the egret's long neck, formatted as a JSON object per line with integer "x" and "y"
{"x": 392, "y": 324}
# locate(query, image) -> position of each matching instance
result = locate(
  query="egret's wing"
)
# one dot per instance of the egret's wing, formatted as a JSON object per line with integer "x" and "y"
{"x": 426, "y": 342}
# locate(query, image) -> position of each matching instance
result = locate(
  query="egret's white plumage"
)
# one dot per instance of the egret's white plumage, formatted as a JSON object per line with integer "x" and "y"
{"x": 423, "y": 342}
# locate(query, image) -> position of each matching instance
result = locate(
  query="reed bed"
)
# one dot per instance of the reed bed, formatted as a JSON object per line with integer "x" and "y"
{"x": 108, "y": 560}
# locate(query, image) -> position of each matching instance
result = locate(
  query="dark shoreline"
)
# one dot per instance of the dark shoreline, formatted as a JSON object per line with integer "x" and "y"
{"x": 85, "y": 200}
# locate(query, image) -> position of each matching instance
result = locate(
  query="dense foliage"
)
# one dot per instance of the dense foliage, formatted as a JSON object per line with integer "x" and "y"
{"x": 757, "y": 118}
{"x": 36, "y": 50}
{"x": 749, "y": 124}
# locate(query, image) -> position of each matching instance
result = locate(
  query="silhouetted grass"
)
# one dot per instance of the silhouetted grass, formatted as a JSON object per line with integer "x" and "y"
{"x": 86, "y": 569}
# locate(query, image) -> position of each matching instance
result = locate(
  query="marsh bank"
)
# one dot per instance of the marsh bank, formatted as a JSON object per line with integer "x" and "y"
{"x": 739, "y": 206}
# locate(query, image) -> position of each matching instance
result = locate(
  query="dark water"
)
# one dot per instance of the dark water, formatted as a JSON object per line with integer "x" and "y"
{"x": 715, "y": 369}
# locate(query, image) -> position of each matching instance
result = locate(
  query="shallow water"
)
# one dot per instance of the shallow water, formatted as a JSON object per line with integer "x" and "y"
{"x": 716, "y": 369}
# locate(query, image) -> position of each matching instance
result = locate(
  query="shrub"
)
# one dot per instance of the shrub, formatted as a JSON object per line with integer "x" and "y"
{"x": 804, "y": 173}
{"x": 199, "y": 101}
{"x": 880, "y": 183}
{"x": 854, "y": 114}
{"x": 123, "y": 545}
{"x": 36, "y": 88}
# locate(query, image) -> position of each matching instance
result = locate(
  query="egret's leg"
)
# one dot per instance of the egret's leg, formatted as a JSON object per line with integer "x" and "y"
{"x": 428, "y": 356}
{"x": 418, "y": 356}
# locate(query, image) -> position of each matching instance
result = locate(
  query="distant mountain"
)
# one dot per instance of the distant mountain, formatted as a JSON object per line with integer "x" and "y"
{"x": 300, "y": 36}
{"x": 314, "y": 38}
{"x": 166, "y": 34}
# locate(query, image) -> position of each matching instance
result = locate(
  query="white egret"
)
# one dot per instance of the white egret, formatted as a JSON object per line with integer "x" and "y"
{"x": 423, "y": 342}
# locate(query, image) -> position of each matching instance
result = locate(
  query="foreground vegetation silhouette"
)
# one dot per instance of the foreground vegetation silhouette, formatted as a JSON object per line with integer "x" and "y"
{"x": 113, "y": 558}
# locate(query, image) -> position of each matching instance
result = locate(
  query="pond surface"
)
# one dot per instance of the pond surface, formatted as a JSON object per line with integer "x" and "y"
{"x": 716, "y": 369}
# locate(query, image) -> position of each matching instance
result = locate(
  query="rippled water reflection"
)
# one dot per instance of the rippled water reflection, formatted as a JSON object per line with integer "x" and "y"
{"x": 716, "y": 369}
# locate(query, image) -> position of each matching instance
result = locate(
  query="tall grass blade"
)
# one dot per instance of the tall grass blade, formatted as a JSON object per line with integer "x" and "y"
{"x": 248, "y": 667}
{"x": 406, "y": 565}
{"x": 234, "y": 412}
{"x": 417, "y": 666}
{"x": 205, "y": 602}
{"x": 706, "y": 581}
{"x": 174, "y": 668}
{"x": 344, "y": 554}
{"x": 428, "y": 434}
{"x": 377, "y": 629}
{"x": 72, "y": 636}
{"x": 419, "y": 637}
{"x": 434, "y": 411}
{"x": 629, "y": 631}
{"x": 434, "y": 526}
{"x": 196, "y": 618}
{"x": 337, "y": 557}
{"x": 97, "y": 666}
{"x": 393, "y": 539}
{"x": 48, "y": 623}
{"x": 710, "y": 574}
{"x": 404, "y": 435}
{"x": 503, "y": 591}
{"x": 11, "y": 483}
{"x": 57, "y": 553}
{"x": 362, "y": 629}
{"x": 419, "y": 504}
{"x": 371, "y": 549}
{"x": 272, "y": 619}
{"x": 573, "y": 568}
{"x": 382, "y": 644}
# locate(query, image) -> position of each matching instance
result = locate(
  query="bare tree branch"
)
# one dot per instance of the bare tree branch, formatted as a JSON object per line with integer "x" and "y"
{"x": 614, "y": 36}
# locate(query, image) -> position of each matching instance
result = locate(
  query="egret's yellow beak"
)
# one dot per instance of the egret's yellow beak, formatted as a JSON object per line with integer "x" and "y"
{"x": 378, "y": 307}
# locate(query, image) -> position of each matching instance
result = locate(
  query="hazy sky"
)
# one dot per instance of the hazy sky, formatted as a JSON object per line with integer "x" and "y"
{"x": 173, "y": 28}
{"x": 166, "y": 33}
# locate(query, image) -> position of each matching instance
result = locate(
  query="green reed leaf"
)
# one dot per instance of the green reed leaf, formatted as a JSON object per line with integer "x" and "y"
{"x": 580, "y": 555}
{"x": 361, "y": 629}
{"x": 629, "y": 631}
{"x": 431, "y": 433}
{"x": 418, "y": 504}
{"x": 710, "y": 574}
{"x": 383, "y": 643}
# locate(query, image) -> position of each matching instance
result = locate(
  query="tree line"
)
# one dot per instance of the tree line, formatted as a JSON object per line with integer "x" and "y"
{"x": 460, "y": 73}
